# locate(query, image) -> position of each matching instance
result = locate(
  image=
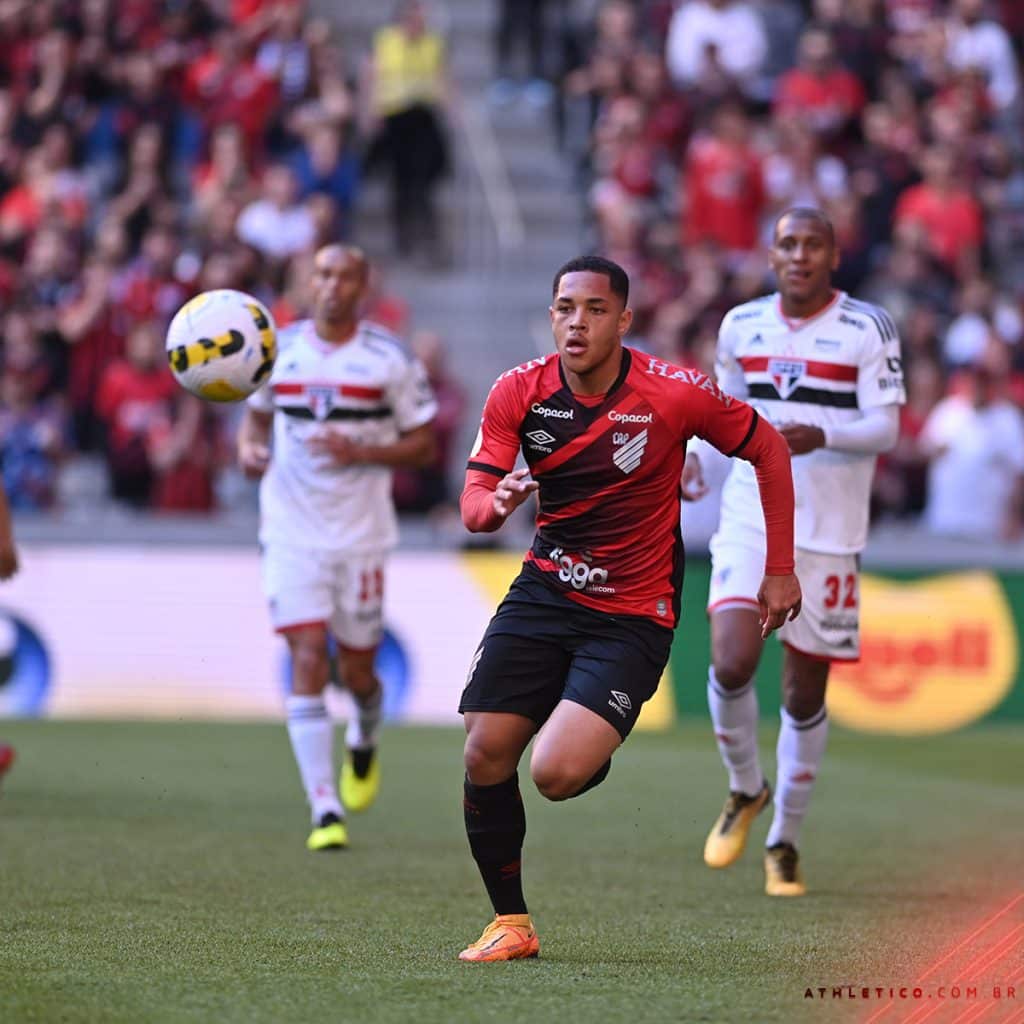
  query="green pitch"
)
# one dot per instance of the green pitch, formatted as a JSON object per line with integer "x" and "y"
{"x": 156, "y": 872}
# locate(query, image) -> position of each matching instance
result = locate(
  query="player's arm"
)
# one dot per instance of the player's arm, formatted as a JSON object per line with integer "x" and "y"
{"x": 8, "y": 553}
{"x": 254, "y": 440}
{"x": 736, "y": 430}
{"x": 493, "y": 489}
{"x": 731, "y": 379}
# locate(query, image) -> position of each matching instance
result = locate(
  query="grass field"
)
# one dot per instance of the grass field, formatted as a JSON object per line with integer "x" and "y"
{"x": 156, "y": 872}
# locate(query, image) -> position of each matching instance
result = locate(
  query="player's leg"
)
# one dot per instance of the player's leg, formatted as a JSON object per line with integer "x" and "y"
{"x": 300, "y": 606}
{"x": 616, "y": 667}
{"x": 801, "y": 747}
{"x": 358, "y": 626}
{"x": 826, "y": 630}
{"x": 311, "y": 732}
{"x": 736, "y": 646}
{"x": 515, "y": 681}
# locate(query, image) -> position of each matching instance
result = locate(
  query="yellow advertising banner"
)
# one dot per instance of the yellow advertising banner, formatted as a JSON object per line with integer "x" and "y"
{"x": 936, "y": 654}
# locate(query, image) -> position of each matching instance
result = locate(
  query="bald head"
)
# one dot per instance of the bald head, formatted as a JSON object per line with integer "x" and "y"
{"x": 340, "y": 277}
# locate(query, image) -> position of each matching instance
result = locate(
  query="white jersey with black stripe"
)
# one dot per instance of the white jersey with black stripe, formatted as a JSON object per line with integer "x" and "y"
{"x": 367, "y": 388}
{"x": 823, "y": 370}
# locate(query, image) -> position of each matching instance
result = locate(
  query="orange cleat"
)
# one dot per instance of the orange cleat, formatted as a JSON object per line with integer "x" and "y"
{"x": 507, "y": 937}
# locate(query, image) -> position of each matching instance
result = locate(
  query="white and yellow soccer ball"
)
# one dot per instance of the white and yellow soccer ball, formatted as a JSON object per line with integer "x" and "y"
{"x": 221, "y": 345}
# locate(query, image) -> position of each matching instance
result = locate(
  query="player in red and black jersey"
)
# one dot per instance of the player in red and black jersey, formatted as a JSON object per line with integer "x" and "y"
{"x": 581, "y": 639}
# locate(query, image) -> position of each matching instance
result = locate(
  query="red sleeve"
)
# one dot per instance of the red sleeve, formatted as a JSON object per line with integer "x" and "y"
{"x": 477, "y": 508}
{"x": 493, "y": 456}
{"x": 736, "y": 430}
{"x": 769, "y": 454}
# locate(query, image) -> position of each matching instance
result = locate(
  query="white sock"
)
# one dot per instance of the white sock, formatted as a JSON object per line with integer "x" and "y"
{"x": 364, "y": 727}
{"x": 312, "y": 734}
{"x": 734, "y": 716}
{"x": 800, "y": 750}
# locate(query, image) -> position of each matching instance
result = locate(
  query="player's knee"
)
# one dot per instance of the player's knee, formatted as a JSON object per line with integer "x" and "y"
{"x": 486, "y": 761}
{"x": 358, "y": 675}
{"x": 309, "y": 666}
{"x": 735, "y": 668}
{"x": 801, "y": 702}
{"x": 557, "y": 781}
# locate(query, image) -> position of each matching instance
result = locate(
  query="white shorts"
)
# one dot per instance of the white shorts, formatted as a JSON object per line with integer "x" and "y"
{"x": 343, "y": 592}
{"x": 828, "y": 625}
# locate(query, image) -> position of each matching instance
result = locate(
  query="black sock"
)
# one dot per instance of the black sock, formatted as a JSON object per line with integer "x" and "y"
{"x": 596, "y": 779}
{"x": 496, "y": 828}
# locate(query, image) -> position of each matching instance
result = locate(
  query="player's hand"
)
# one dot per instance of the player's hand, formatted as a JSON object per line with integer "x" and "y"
{"x": 802, "y": 438}
{"x": 253, "y": 458}
{"x": 8, "y": 561}
{"x": 341, "y": 450}
{"x": 779, "y": 598}
{"x": 513, "y": 489}
{"x": 692, "y": 486}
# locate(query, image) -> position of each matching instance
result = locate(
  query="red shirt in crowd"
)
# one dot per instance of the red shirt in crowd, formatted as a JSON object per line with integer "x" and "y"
{"x": 725, "y": 194}
{"x": 827, "y": 102}
{"x": 952, "y": 222}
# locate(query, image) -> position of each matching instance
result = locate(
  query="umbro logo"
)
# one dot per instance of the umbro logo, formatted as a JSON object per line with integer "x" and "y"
{"x": 540, "y": 436}
{"x": 620, "y": 703}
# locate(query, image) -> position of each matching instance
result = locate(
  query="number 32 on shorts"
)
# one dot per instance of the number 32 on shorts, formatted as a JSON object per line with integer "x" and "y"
{"x": 841, "y": 587}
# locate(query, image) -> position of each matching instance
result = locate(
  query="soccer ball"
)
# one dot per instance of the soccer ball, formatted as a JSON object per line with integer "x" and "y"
{"x": 221, "y": 345}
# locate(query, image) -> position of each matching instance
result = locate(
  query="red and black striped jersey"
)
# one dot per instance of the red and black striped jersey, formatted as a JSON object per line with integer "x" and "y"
{"x": 608, "y": 469}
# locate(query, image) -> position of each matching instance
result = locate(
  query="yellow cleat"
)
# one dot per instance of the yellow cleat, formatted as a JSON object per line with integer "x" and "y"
{"x": 782, "y": 876}
{"x": 728, "y": 835}
{"x": 330, "y": 834}
{"x": 507, "y": 937}
{"x": 360, "y": 779}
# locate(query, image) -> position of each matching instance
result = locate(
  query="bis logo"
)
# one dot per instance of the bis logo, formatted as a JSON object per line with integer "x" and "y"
{"x": 25, "y": 669}
{"x": 936, "y": 654}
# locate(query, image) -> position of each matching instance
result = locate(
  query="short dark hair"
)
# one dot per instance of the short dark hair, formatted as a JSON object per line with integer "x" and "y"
{"x": 618, "y": 279}
{"x": 808, "y": 213}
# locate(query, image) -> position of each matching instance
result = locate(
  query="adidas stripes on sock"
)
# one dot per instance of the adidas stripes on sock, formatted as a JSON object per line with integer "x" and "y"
{"x": 312, "y": 734}
{"x": 800, "y": 751}
{"x": 734, "y": 716}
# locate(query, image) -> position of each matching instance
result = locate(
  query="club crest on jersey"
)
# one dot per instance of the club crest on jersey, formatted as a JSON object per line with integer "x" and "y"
{"x": 321, "y": 400}
{"x": 786, "y": 374}
{"x": 630, "y": 451}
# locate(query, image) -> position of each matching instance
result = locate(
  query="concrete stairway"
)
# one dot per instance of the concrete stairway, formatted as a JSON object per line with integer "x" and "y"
{"x": 510, "y": 209}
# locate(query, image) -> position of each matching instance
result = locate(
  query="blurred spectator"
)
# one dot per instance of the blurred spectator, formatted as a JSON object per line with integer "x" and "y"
{"x": 323, "y": 165}
{"x": 715, "y": 46}
{"x": 277, "y": 224}
{"x": 32, "y": 440}
{"x": 425, "y": 490}
{"x": 723, "y": 191}
{"x": 975, "y": 441}
{"x": 944, "y": 211}
{"x": 982, "y": 317}
{"x": 819, "y": 91}
{"x": 135, "y": 394}
{"x": 284, "y": 56}
{"x": 978, "y": 42}
{"x": 408, "y": 92}
{"x": 520, "y": 21}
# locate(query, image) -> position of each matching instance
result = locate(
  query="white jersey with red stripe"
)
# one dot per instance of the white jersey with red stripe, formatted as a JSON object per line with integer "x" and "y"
{"x": 824, "y": 370}
{"x": 367, "y": 388}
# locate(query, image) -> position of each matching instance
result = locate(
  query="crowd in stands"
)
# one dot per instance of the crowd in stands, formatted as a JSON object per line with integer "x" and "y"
{"x": 152, "y": 149}
{"x": 902, "y": 119}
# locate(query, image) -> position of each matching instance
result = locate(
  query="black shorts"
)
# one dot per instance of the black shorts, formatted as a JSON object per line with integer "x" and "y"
{"x": 541, "y": 648}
